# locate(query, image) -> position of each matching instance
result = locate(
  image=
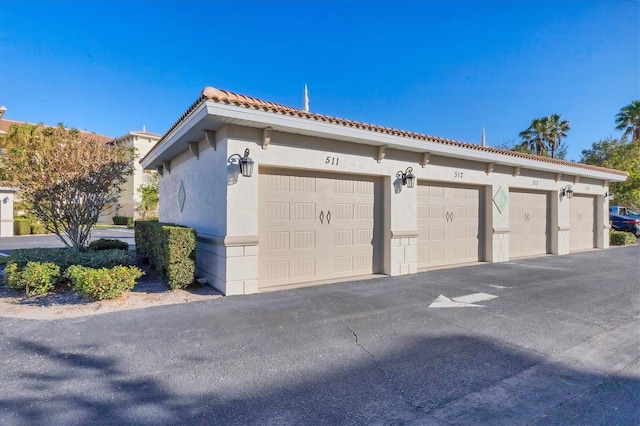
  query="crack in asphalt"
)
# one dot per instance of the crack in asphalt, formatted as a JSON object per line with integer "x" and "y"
{"x": 417, "y": 408}
{"x": 562, "y": 404}
{"x": 615, "y": 380}
{"x": 589, "y": 389}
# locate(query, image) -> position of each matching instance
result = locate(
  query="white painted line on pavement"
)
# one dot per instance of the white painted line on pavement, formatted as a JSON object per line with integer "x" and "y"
{"x": 473, "y": 298}
{"x": 444, "y": 302}
{"x": 498, "y": 286}
{"x": 535, "y": 266}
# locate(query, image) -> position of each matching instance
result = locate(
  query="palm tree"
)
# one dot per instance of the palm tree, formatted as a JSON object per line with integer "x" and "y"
{"x": 556, "y": 130}
{"x": 628, "y": 119}
{"x": 545, "y": 134}
{"x": 535, "y": 136}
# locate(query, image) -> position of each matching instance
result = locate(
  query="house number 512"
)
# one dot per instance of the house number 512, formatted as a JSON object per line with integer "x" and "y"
{"x": 332, "y": 160}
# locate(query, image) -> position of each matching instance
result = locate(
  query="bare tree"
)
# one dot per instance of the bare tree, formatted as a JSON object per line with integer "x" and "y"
{"x": 64, "y": 178}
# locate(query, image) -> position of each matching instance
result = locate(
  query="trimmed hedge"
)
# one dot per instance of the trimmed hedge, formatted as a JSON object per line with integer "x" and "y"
{"x": 65, "y": 257}
{"x": 123, "y": 220}
{"x": 33, "y": 278}
{"x": 38, "y": 228}
{"x": 621, "y": 238}
{"x": 170, "y": 249}
{"x": 108, "y": 244}
{"x": 103, "y": 283}
{"x": 21, "y": 226}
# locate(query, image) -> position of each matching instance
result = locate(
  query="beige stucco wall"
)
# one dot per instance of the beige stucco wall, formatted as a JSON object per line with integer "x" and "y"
{"x": 224, "y": 209}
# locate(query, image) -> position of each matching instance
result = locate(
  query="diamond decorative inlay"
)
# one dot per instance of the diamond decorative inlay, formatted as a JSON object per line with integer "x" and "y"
{"x": 182, "y": 196}
{"x": 500, "y": 199}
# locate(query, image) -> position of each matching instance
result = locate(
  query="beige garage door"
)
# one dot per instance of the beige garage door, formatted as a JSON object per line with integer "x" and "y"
{"x": 317, "y": 227}
{"x": 582, "y": 222}
{"x": 449, "y": 220}
{"x": 528, "y": 217}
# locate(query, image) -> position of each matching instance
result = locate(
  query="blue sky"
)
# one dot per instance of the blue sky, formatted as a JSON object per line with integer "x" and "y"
{"x": 435, "y": 67}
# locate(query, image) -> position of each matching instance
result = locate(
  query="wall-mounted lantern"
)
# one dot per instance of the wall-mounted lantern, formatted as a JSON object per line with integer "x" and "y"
{"x": 566, "y": 191}
{"x": 245, "y": 163}
{"x": 408, "y": 178}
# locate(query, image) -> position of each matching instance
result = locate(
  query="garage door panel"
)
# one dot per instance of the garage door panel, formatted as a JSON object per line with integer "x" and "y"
{"x": 344, "y": 211}
{"x": 303, "y": 184}
{"x": 582, "y": 222}
{"x": 364, "y": 237}
{"x": 278, "y": 211}
{"x": 304, "y": 240}
{"x": 278, "y": 240}
{"x": 278, "y": 270}
{"x": 316, "y": 227}
{"x": 529, "y": 224}
{"x": 277, "y": 183}
{"x": 448, "y": 224}
{"x": 436, "y": 234}
{"x": 304, "y": 211}
{"x": 344, "y": 186}
{"x": 303, "y": 268}
{"x": 364, "y": 212}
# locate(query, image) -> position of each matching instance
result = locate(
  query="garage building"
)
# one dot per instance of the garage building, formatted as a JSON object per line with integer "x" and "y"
{"x": 329, "y": 198}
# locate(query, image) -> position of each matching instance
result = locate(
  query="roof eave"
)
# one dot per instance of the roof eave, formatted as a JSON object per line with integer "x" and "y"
{"x": 251, "y": 117}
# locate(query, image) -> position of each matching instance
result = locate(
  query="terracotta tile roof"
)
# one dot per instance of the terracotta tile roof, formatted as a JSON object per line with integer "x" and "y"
{"x": 230, "y": 98}
{"x": 6, "y": 124}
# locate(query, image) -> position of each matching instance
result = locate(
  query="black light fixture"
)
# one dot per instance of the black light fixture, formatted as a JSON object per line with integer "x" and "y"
{"x": 408, "y": 178}
{"x": 566, "y": 191}
{"x": 245, "y": 163}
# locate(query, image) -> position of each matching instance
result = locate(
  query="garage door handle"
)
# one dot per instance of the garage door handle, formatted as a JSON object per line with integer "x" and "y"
{"x": 321, "y": 216}
{"x": 328, "y": 217}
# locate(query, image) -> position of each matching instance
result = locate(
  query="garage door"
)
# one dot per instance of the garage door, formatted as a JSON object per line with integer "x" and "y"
{"x": 449, "y": 220}
{"x": 582, "y": 222}
{"x": 528, "y": 217}
{"x": 317, "y": 227}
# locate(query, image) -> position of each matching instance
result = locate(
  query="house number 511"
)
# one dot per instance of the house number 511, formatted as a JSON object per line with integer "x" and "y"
{"x": 332, "y": 160}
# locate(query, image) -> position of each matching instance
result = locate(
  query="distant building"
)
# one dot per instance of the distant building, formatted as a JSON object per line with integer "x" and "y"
{"x": 130, "y": 197}
{"x": 142, "y": 141}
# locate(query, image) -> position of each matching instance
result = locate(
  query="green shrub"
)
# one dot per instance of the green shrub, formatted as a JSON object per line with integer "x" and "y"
{"x": 621, "y": 238}
{"x": 108, "y": 244}
{"x": 180, "y": 275}
{"x": 103, "y": 283}
{"x": 144, "y": 235}
{"x": 12, "y": 277}
{"x": 123, "y": 220}
{"x": 170, "y": 249}
{"x": 34, "y": 278}
{"x": 66, "y": 257}
{"x": 21, "y": 226}
{"x": 38, "y": 228}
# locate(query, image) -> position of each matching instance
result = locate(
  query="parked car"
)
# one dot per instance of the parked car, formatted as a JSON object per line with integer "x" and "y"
{"x": 624, "y": 219}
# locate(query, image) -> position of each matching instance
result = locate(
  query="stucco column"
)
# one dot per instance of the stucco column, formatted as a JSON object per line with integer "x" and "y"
{"x": 497, "y": 223}
{"x": 602, "y": 221}
{"x": 7, "y": 196}
{"x": 403, "y": 238}
{"x": 241, "y": 239}
{"x": 562, "y": 213}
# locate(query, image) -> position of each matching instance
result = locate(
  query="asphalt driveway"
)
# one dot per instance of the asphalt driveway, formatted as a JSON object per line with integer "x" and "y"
{"x": 558, "y": 345}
